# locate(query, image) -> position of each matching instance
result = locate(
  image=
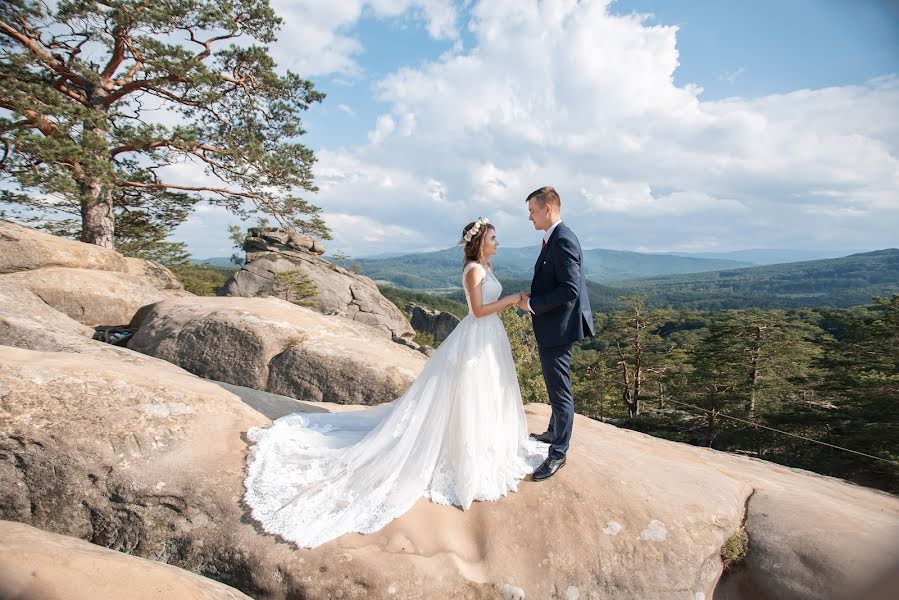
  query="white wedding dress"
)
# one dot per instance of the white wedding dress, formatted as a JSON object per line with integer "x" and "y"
{"x": 457, "y": 435}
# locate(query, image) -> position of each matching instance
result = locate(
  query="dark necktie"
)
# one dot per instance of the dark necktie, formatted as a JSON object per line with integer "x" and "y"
{"x": 542, "y": 245}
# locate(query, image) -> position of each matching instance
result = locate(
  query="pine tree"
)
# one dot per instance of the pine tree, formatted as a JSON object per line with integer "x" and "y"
{"x": 78, "y": 84}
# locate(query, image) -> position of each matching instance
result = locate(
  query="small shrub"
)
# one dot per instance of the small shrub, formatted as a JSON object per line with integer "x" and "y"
{"x": 734, "y": 550}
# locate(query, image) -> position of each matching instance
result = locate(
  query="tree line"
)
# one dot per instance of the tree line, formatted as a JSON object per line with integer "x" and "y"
{"x": 824, "y": 374}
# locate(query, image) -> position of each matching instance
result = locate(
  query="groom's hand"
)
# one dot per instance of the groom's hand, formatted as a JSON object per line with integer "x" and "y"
{"x": 523, "y": 303}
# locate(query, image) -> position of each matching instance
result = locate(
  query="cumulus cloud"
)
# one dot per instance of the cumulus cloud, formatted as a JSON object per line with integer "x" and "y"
{"x": 565, "y": 93}
{"x": 316, "y": 37}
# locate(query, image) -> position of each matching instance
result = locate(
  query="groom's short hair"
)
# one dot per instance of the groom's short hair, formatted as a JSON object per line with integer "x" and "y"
{"x": 545, "y": 195}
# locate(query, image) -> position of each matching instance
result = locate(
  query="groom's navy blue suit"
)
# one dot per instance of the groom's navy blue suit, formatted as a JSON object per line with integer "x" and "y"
{"x": 561, "y": 316}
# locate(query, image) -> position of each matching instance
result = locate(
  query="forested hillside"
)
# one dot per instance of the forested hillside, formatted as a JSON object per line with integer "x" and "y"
{"x": 767, "y": 383}
{"x": 442, "y": 269}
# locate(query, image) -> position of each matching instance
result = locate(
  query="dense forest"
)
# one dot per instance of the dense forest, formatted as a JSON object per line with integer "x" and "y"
{"x": 840, "y": 282}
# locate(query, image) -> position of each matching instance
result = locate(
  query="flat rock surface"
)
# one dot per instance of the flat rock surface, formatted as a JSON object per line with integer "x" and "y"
{"x": 23, "y": 249}
{"x": 89, "y": 296}
{"x": 38, "y": 564}
{"x": 151, "y": 462}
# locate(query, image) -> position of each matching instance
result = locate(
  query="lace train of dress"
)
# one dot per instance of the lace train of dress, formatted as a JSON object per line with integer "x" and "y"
{"x": 457, "y": 435}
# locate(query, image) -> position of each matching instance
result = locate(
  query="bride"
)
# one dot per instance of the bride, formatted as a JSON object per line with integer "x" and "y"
{"x": 457, "y": 435}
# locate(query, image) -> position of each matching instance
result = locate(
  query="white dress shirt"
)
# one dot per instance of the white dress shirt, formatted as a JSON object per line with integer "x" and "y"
{"x": 546, "y": 235}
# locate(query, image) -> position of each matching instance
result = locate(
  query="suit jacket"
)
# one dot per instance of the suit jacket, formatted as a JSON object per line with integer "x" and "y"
{"x": 562, "y": 312}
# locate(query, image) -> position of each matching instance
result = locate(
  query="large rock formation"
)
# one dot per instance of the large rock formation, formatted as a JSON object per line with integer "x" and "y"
{"x": 89, "y": 296}
{"x": 136, "y": 454}
{"x": 271, "y": 252}
{"x": 154, "y": 273}
{"x": 23, "y": 249}
{"x": 38, "y": 564}
{"x": 273, "y": 345}
{"x": 434, "y": 322}
{"x": 151, "y": 462}
{"x": 93, "y": 285}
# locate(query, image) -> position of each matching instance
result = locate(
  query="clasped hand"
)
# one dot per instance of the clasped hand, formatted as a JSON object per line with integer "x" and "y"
{"x": 522, "y": 301}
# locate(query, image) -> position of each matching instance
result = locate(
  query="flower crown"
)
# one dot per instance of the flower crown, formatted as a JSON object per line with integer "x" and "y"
{"x": 474, "y": 230}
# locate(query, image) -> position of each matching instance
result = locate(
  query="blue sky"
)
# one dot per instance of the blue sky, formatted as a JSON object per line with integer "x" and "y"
{"x": 700, "y": 126}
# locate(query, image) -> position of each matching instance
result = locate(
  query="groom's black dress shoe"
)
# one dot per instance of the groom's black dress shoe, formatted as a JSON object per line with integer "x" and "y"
{"x": 548, "y": 468}
{"x": 542, "y": 437}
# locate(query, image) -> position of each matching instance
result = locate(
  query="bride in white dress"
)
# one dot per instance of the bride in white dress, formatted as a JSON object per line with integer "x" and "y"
{"x": 456, "y": 436}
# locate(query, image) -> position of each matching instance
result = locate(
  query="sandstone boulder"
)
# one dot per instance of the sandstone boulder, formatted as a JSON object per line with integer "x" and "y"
{"x": 38, "y": 564}
{"x": 26, "y": 321}
{"x": 152, "y": 462}
{"x": 337, "y": 290}
{"x": 273, "y": 345}
{"x": 434, "y": 322}
{"x": 23, "y": 248}
{"x": 152, "y": 272}
{"x": 89, "y": 296}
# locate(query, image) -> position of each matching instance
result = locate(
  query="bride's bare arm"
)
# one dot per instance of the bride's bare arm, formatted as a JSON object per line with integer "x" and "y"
{"x": 473, "y": 280}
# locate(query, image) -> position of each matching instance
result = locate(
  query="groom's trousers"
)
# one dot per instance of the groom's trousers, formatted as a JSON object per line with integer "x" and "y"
{"x": 556, "y": 365}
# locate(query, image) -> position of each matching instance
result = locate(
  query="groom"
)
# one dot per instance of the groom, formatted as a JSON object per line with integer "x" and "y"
{"x": 561, "y": 315}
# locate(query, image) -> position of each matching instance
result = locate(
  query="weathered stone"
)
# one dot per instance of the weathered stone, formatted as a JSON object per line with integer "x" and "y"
{"x": 424, "y": 349}
{"x": 338, "y": 291}
{"x": 152, "y": 463}
{"x": 273, "y": 345}
{"x": 154, "y": 273}
{"x": 434, "y": 322}
{"x": 39, "y": 564}
{"x": 23, "y": 248}
{"x": 26, "y": 321}
{"x": 89, "y": 296}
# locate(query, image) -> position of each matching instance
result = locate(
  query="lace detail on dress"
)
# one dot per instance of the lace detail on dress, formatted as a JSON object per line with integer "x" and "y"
{"x": 491, "y": 288}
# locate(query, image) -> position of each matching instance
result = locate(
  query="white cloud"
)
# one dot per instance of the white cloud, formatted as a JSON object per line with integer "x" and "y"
{"x": 383, "y": 128}
{"x": 731, "y": 76}
{"x": 346, "y": 109}
{"x": 352, "y": 231}
{"x": 316, "y": 37}
{"x": 564, "y": 93}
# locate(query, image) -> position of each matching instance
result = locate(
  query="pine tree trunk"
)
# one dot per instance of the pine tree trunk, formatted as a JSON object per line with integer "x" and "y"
{"x": 638, "y": 362}
{"x": 97, "y": 218}
{"x": 754, "y": 382}
{"x": 94, "y": 176}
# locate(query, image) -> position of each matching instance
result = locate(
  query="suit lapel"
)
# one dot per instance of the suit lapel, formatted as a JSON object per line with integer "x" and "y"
{"x": 552, "y": 236}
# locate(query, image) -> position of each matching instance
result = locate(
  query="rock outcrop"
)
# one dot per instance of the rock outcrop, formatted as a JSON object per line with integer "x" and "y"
{"x": 273, "y": 345}
{"x": 93, "y": 285}
{"x": 38, "y": 564}
{"x": 151, "y": 463}
{"x": 135, "y": 454}
{"x": 24, "y": 249}
{"x": 434, "y": 322}
{"x": 154, "y": 273}
{"x": 338, "y": 291}
{"x": 89, "y": 296}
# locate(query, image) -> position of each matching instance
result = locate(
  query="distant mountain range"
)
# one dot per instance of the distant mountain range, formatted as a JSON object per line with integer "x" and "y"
{"x": 839, "y": 282}
{"x": 440, "y": 270}
{"x": 770, "y": 256}
{"x": 665, "y": 280}
{"x": 215, "y": 261}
